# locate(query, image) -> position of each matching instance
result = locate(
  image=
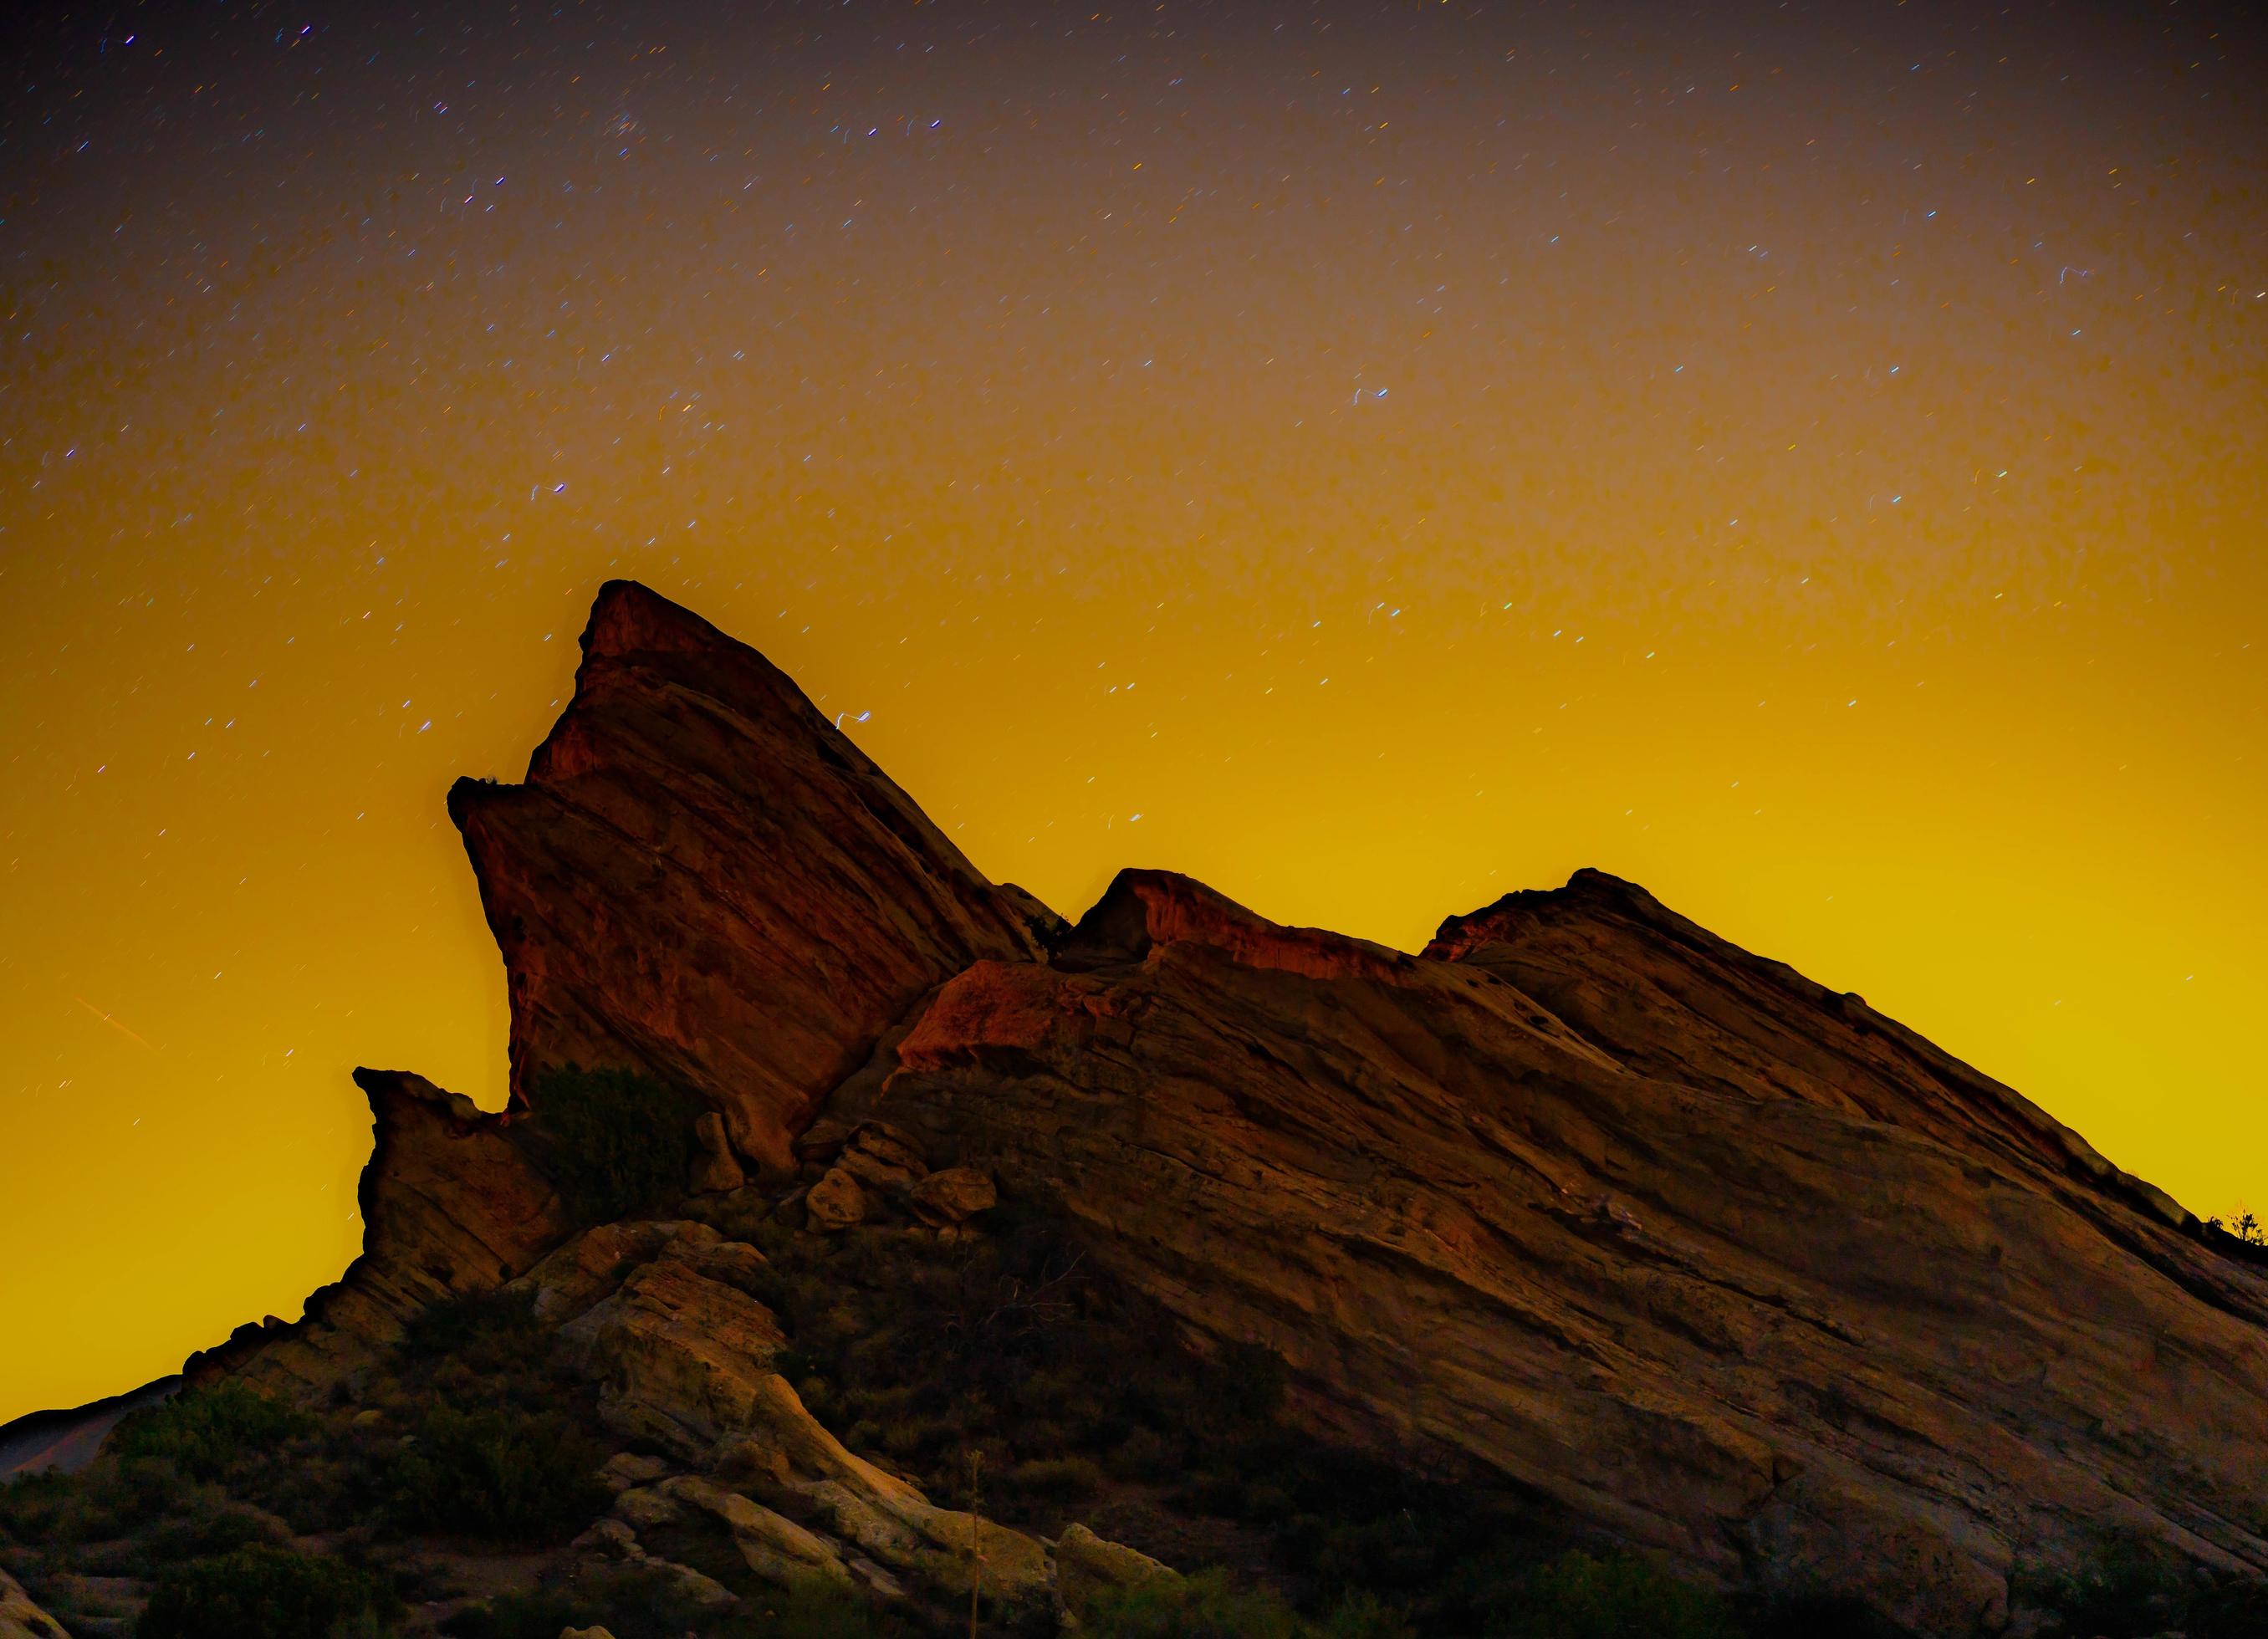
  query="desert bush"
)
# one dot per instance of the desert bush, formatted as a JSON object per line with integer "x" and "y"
{"x": 537, "y": 1614}
{"x": 1205, "y": 1606}
{"x": 1617, "y": 1596}
{"x": 497, "y": 1475}
{"x": 203, "y": 1532}
{"x": 614, "y": 1142}
{"x": 269, "y": 1592}
{"x": 1056, "y": 1479}
{"x": 2235, "y": 1610}
{"x": 1822, "y": 1616}
{"x": 814, "y": 1609}
{"x": 205, "y": 1432}
{"x": 484, "y": 1330}
{"x": 2128, "y": 1592}
{"x": 635, "y": 1604}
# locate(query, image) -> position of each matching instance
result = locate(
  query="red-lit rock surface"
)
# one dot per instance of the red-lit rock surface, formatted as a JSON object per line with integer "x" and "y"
{"x": 702, "y": 878}
{"x": 1830, "y": 1305}
{"x": 1713, "y": 1260}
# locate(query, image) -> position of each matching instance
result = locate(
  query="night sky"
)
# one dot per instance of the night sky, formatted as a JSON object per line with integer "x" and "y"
{"x": 1810, "y": 458}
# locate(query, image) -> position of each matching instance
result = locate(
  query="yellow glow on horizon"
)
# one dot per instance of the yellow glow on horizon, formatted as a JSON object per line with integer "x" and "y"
{"x": 1388, "y": 519}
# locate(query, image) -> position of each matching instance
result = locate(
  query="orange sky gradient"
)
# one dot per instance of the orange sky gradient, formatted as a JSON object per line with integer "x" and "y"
{"x": 1811, "y": 463}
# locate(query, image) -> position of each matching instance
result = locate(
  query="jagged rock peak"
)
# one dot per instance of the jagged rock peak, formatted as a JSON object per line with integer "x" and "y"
{"x": 704, "y": 879}
{"x": 1142, "y": 910}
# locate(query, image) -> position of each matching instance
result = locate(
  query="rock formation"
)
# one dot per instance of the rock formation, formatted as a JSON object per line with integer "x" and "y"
{"x": 20, "y": 1619}
{"x": 1826, "y": 1307}
{"x": 1717, "y": 1262}
{"x": 702, "y": 878}
{"x": 450, "y": 1206}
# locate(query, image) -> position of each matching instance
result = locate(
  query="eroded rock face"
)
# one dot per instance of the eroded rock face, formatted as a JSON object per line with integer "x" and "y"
{"x": 20, "y": 1619}
{"x": 450, "y": 1205}
{"x": 1802, "y": 1334}
{"x": 681, "y": 1358}
{"x": 702, "y": 878}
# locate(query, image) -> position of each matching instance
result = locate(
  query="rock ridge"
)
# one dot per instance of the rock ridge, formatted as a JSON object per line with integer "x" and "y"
{"x": 1716, "y": 1260}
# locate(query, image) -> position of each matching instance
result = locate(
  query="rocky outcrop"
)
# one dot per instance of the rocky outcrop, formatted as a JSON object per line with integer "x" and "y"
{"x": 450, "y": 1206}
{"x": 20, "y": 1619}
{"x": 1088, "y": 1568}
{"x": 1580, "y": 1200}
{"x": 68, "y": 1440}
{"x": 1825, "y": 1339}
{"x": 702, "y": 878}
{"x": 684, "y": 1358}
{"x": 681, "y": 1358}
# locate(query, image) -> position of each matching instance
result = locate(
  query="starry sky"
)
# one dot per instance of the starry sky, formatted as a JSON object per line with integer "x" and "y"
{"x": 1808, "y": 457}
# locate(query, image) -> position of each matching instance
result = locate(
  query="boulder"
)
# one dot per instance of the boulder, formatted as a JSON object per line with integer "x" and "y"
{"x": 20, "y": 1619}
{"x": 733, "y": 1262}
{"x": 678, "y": 1356}
{"x": 1089, "y": 1566}
{"x": 835, "y": 1201}
{"x": 822, "y": 1141}
{"x": 953, "y": 1197}
{"x": 590, "y": 1266}
{"x": 717, "y": 1171}
{"x": 774, "y": 1547}
{"x": 626, "y": 1469}
{"x": 887, "y": 1517}
{"x": 881, "y": 1158}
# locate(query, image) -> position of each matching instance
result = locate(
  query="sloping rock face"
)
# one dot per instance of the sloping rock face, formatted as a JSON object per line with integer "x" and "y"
{"x": 1829, "y": 1308}
{"x": 450, "y": 1207}
{"x": 20, "y": 1619}
{"x": 703, "y": 880}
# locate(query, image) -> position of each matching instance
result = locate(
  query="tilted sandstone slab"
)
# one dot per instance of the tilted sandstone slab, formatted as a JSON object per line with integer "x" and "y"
{"x": 20, "y": 1619}
{"x": 450, "y": 1206}
{"x": 702, "y": 878}
{"x": 1797, "y": 1335}
{"x": 685, "y": 1361}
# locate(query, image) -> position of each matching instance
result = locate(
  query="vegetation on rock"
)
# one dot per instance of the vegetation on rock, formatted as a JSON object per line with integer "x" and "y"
{"x": 614, "y": 1142}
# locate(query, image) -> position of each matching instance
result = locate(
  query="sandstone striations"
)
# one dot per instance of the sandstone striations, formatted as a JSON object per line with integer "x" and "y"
{"x": 1828, "y": 1309}
{"x": 450, "y": 1206}
{"x": 1704, "y": 1257}
{"x": 702, "y": 878}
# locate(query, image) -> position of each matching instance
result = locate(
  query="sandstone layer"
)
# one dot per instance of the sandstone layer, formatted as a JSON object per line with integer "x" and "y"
{"x": 1830, "y": 1309}
{"x": 450, "y": 1206}
{"x": 702, "y": 878}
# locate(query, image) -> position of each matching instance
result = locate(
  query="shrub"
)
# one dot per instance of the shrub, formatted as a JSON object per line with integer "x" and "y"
{"x": 1824, "y": 1616}
{"x": 482, "y": 1329}
{"x": 1363, "y": 1617}
{"x": 635, "y": 1604}
{"x": 812, "y": 1609}
{"x": 496, "y": 1474}
{"x": 267, "y": 1592}
{"x": 1202, "y": 1606}
{"x": 1056, "y": 1479}
{"x": 207, "y": 1431}
{"x": 612, "y": 1141}
{"x": 1618, "y": 1596}
{"x": 2128, "y": 1592}
{"x": 2235, "y": 1610}
{"x": 539, "y": 1614}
